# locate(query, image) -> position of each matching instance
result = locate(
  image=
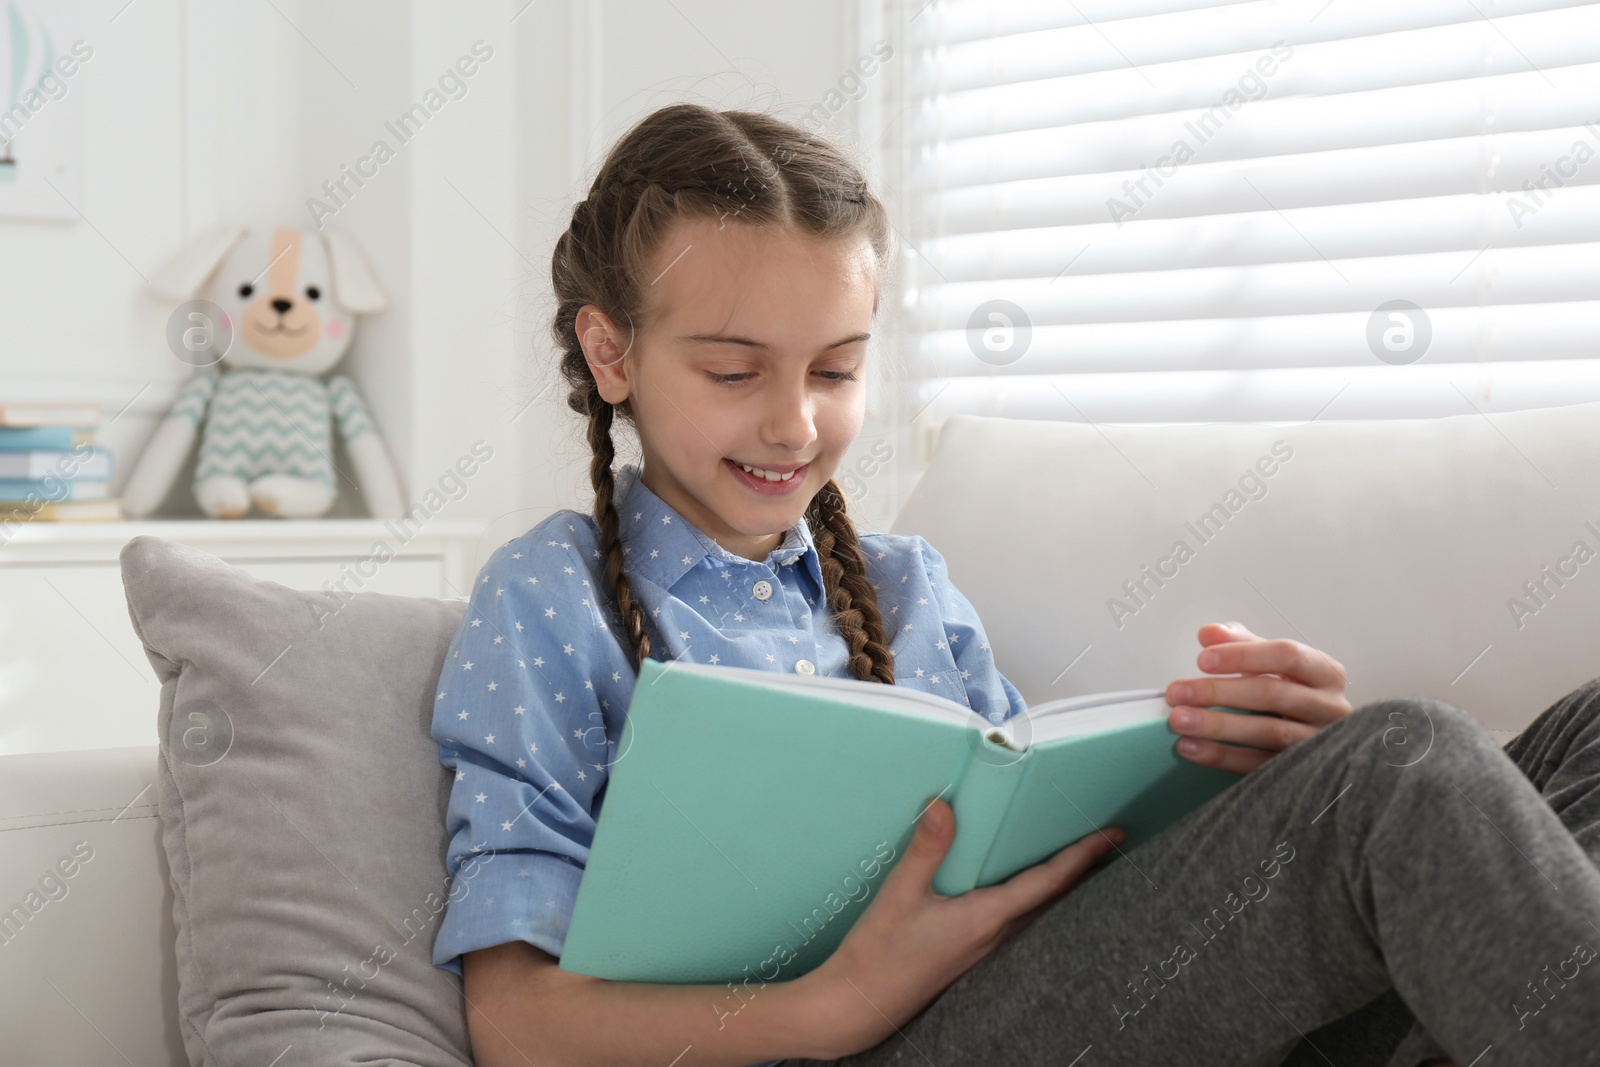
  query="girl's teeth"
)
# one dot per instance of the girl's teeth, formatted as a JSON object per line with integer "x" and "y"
{"x": 771, "y": 476}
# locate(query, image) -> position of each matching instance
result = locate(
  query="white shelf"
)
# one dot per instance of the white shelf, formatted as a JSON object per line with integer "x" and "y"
{"x": 73, "y": 674}
{"x": 36, "y": 542}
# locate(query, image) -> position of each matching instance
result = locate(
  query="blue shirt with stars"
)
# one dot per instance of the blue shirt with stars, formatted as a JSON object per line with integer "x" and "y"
{"x": 536, "y": 683}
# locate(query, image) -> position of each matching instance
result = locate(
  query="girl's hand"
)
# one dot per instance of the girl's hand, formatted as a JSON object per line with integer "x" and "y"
{"x": 1301, "y": 688}
{"x": 911, "y": 943}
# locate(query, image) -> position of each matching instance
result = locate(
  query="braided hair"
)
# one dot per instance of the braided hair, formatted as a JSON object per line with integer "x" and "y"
{"x": 681, "y": 161}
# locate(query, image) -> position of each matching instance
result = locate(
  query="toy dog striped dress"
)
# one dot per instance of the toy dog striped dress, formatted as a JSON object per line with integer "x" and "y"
{"x": 269, "y": 422}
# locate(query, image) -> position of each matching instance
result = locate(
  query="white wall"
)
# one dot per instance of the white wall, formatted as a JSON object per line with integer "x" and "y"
{"x": 200, "y": 112}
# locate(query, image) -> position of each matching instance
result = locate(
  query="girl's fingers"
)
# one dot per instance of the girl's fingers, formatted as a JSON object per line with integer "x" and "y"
{"x": 1226, "y": 757}
{"x": 1034, "y": 887}
{"x": 1254, "y": 655}
{"x": 1262, "y": 692}
{"x": 1258, "y": 731}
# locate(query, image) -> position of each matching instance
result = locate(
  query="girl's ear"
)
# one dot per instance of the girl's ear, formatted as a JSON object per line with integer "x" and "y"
{"x": 605, "y": 349}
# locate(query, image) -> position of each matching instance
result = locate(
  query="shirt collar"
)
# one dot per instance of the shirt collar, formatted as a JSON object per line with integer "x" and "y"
{"x": 647, "y": 523}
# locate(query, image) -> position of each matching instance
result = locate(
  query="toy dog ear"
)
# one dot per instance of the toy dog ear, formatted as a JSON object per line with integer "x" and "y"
{"x": 186, "y": 274}
{"x": 353, "y": 283}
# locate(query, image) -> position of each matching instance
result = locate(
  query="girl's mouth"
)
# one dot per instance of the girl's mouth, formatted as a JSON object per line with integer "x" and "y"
{"x": 767, "y": 487}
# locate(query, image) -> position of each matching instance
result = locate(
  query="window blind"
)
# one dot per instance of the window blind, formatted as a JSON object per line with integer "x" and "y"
{"x": 1171, "y": 211}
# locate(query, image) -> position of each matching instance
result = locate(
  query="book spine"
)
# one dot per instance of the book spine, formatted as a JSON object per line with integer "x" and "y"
{"x": 22, "y": 489}
{"x": 24, "y": 439}
{"x": 980, "y": 799}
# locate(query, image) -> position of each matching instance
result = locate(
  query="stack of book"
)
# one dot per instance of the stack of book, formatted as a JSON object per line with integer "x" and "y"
{"x": 50, "y": 467}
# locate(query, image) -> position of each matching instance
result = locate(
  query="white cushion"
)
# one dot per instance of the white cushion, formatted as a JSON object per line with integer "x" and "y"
{"x": 1398, "y": 547}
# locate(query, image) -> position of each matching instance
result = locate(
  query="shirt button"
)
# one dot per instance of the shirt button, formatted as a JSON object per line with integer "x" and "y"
{"x": 805, "y": 666}
{"x": 762, "y": 590}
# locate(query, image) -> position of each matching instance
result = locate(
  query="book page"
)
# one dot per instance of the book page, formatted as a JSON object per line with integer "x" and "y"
{"x": 1067, "y": 717}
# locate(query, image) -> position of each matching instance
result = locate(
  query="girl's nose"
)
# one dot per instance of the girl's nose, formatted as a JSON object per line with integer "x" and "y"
{"x": 790, "y": 422}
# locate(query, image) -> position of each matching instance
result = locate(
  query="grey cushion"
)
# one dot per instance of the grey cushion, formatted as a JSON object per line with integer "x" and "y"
{"x": 302, "y": 804}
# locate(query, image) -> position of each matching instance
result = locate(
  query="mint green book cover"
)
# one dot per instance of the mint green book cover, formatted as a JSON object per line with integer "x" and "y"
{"x": 750, "y": 816}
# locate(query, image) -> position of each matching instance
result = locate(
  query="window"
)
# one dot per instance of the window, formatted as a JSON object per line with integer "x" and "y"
{"x": 1169, "y": 211}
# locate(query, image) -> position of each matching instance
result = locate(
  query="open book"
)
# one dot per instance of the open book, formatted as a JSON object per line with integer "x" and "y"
{"x": 750, "y": 815}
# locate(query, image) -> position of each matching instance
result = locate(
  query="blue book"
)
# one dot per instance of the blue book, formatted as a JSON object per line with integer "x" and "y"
{"x": 36, "y": 464}
{"x": 24, "y": 438}
{"x": 13, "y": 489}
{"x": 750, "y": 815}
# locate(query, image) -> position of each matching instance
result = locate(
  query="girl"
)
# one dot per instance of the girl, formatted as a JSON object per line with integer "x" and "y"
{"x": 716, "y": 291}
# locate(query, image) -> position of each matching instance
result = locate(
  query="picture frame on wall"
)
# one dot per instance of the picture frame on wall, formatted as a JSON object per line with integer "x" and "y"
{"x": 41, "y": 109}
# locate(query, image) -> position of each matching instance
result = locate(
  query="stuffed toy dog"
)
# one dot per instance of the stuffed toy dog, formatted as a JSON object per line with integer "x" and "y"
{"x": 289, "y": 298}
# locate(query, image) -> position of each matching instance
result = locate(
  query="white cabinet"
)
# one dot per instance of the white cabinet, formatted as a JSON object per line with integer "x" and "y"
{"x": 73, "y": 674}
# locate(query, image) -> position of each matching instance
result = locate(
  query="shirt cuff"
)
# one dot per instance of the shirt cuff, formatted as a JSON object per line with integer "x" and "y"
{"x": 507, "y": 896}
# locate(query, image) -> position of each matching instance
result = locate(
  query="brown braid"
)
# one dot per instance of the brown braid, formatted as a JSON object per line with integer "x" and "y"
{"x": 605, "y": 514}
{"x": 851, "y": 596}
{"x": 687, "y": 160}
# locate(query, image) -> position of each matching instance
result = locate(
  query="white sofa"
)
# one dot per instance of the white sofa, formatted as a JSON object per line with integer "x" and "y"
{"x": 1397, "y": 547}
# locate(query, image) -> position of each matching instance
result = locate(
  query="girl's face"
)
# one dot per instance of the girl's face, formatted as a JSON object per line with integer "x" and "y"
{"x": 753, "y": 353}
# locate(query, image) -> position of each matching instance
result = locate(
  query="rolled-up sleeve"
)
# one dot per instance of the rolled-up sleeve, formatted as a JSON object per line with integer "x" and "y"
{"x": 988, "y": 691}
{"x": 519, "y": 724}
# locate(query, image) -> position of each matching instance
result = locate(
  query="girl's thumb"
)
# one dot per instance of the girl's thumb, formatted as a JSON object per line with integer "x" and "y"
{"x": 929, "y": 843}
{"x": 931, "y": 829}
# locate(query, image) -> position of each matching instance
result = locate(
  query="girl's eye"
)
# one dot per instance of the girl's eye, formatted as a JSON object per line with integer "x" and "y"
{"x": 736, "y": 379}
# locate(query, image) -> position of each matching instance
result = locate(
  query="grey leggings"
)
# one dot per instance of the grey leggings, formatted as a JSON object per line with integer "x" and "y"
{"x": 1394, "y": 888}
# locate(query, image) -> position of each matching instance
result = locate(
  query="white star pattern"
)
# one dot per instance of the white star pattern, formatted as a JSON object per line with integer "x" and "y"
{"x": 554, "y": 595}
